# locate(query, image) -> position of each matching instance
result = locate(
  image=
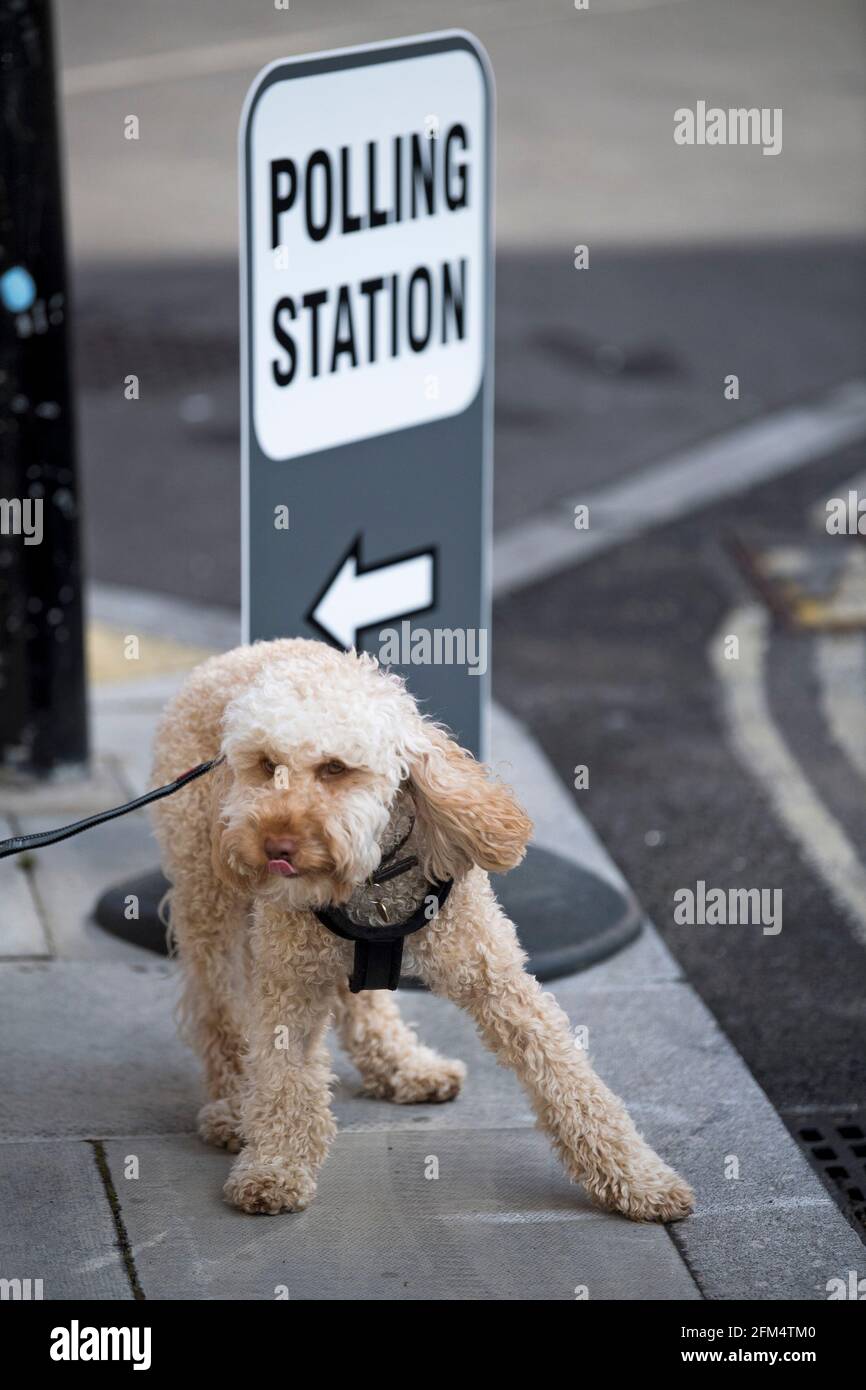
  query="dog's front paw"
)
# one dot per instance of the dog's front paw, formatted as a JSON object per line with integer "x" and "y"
{"x": 427, "y": 1081}
{"x": 220, "y": 1125}
{"x": 653, "y": 1192}
{"x": 267, "y": 1186}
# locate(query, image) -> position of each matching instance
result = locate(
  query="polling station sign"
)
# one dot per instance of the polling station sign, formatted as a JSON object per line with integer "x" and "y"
{"x": 366, "y": 277}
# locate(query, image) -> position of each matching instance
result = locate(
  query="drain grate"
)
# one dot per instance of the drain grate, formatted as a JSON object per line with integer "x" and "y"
{"x": 836, "y": 1148}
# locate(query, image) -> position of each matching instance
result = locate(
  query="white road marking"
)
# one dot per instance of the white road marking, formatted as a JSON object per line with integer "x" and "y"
{"x": 841, "y": 665}
{"x": 765, "y": 755}
{"x": 721, "y": 467}
{"x": 840, "y": 661}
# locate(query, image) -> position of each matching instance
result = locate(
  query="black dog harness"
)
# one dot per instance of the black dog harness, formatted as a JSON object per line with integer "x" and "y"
{"x": 378, "y": 950}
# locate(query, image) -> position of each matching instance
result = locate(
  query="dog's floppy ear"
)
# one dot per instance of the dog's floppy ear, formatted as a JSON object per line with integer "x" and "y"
{"x": 219, "y": 782}
{"x": 465, "y": 817}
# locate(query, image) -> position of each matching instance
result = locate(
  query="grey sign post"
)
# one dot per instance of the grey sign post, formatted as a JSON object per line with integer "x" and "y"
{"x": 366, "y": 307}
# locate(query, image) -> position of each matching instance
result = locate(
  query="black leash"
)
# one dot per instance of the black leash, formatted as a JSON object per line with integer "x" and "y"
{"x": 41, "y": 838}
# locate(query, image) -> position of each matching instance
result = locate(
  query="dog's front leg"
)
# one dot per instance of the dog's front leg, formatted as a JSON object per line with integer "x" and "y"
{"x": 473, "y": 956}
{"x": 285, "y": 1108}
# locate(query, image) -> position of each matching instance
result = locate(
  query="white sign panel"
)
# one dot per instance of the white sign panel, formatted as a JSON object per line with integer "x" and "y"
{"x": 366, "y": 250}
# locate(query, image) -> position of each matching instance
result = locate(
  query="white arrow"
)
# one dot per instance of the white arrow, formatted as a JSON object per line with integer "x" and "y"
{"x": 357, "y": 597}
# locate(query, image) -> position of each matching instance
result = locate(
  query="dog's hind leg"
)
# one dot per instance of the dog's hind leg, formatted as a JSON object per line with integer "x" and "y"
{"x": 206, "y": 929}
{"x": 393, "y": 1064}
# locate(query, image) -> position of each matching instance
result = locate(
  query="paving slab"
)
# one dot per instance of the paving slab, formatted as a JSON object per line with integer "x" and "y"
{"x": 57, "y": 1224}
{"x": 126, "y": 736}
{"x": 499, "y": 1223}
{"x": 645, "y": 961}
{"x": 94, "y": 1048}
{"x": 68, "y": 878}
{"x": 693, "y": 1099}
{"x": 91, "y": 1050}
{"x": 124, "y": 731}
{"x": 559, "y": 826}
{"x": 21, "y": 930}
{"x": 657, "y": 1047}
{"x": 65, "y": 794}
{"x": 161, "y": 615}
{"x": 788, "y": 1252}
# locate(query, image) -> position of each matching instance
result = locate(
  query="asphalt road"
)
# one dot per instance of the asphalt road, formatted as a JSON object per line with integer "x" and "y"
{"x": 610, "y": 665}
{"x": 598, "y": 375}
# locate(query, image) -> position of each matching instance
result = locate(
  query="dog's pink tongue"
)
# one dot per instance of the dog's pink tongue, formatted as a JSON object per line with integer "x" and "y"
{"x": 282, "y": 867}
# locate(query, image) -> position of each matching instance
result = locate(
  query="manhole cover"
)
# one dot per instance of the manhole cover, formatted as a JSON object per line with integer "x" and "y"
{"x": 836, "y": 1148}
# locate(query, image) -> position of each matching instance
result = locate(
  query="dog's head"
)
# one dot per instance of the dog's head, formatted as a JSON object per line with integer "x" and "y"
{"x": 324, "y": 754}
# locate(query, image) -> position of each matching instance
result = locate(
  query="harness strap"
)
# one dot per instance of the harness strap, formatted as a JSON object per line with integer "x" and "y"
{"x": 379, "y": 950}
{"x": 40, "y": 838}
{"x": 376, "y": 966}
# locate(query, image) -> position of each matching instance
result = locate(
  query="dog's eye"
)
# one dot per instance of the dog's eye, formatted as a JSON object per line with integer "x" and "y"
{"x": 334, "y": 768}
{"x": 268, "y": 768}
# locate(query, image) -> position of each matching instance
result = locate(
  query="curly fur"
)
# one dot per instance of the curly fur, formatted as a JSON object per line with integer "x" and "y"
{"x": 356, "y": 764}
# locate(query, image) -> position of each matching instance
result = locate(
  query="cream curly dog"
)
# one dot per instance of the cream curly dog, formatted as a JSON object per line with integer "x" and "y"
{"x": 328, "y": 766}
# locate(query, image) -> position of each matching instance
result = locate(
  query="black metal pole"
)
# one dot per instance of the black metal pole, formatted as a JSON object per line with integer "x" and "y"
{"x": 43, "y": 725}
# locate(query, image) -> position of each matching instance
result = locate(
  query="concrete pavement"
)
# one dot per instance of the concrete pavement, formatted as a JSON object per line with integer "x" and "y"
{"x": 112, "y": 1196}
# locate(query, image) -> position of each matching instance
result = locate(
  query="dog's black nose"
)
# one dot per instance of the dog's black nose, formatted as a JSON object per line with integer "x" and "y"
{"x": 283, "y": 848}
